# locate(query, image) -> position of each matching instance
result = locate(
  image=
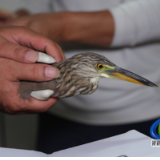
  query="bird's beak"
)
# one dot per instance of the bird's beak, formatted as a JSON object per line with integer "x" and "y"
{"x": 122, "y": 74}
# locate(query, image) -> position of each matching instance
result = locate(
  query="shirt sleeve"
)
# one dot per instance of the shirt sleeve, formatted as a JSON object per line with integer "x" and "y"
{"x": 37, "y": 6}
{"x": 136, "y": 22}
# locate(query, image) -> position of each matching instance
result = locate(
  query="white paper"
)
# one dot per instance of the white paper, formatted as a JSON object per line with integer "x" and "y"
{"x": 8, "y": 152}
{"x": 130, "y": 144}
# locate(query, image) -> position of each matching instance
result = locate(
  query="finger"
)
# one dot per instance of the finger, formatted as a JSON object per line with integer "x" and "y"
{"x": 20, "y": 106}
{"x": 34, "y": 106}
{"x": 31, "y": 39}
{"x": 60, "y": 50}
{"x": 33, "y": 72}
{"x": 22, "y": 54}
{"x": 16, "y": 52}
{"x": 12, "y": 102}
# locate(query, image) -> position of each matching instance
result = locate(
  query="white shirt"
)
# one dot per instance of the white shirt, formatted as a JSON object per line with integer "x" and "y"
{"x": 117, "y": 102}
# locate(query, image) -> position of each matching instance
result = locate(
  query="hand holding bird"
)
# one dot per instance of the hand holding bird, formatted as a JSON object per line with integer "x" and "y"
{"x": 18, "y": 62}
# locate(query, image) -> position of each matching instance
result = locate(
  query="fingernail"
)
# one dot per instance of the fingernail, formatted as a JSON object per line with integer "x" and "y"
{"x": 51, "y": 72}
{"x": 31, "y": 56}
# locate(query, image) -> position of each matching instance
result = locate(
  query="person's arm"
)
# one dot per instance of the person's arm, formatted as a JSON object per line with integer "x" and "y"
{"x": 85, "y": 27}
{"x": 17, "y": 62}
{"x": 91, "y": 28}
{"x": 128, "y": 24}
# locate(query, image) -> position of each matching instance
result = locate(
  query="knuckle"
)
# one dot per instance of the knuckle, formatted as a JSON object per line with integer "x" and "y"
{"x": 10, "y": 105}
{"x": 35, "y": 72}
{"x": 2, "y": 45}
{"x": 22, "y": 28}
{"x": 19, "y": 53}
{"x": 26, "y": 30}
{"x": 15, "y": 108}
{"x": 9, "y": 108}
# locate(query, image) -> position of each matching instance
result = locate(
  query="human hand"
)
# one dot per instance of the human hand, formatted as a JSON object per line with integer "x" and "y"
{"x": 53, "y": 28}
{"x": 17, "y": 62}
{"x": 16, "y": 42}
{"x": 6, "y": 16}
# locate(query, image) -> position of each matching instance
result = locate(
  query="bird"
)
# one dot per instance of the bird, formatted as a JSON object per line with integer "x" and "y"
{"x": 78, "y": 75}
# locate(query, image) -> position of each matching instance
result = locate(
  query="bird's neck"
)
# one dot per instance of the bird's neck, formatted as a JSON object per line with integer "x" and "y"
{"x": 93, "y": 84}
{"x": 94, "y": 80}
{"x": 76, "y": 86}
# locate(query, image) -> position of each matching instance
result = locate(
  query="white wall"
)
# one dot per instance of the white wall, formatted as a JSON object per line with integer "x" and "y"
{"x": 12, "y": 5}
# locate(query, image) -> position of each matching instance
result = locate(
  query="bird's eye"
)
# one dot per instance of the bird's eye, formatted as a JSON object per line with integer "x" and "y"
{"x": 100, "y": 66}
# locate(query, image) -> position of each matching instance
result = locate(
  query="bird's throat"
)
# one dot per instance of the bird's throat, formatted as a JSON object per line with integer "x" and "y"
{"x": 94, "y": 80}
{"x": 93, "y": 84}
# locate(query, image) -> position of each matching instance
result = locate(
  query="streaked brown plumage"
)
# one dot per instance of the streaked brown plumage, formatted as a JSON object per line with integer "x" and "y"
{"x": 79, "y": 75}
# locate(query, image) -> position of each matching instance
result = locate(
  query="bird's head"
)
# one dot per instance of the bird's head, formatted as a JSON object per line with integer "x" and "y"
{"x": 92, "y": 65}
